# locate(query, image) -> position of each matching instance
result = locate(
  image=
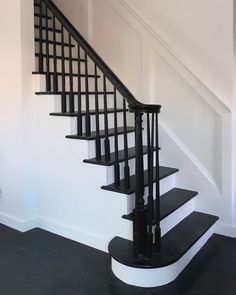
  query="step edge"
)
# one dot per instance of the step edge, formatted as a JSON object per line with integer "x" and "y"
{"x": 193, "y": 195}
{"x": 106, "y": 187}
{"x": 216, "y": 218}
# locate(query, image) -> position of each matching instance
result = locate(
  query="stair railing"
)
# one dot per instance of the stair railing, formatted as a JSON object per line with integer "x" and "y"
{"x": 146, "y": 241}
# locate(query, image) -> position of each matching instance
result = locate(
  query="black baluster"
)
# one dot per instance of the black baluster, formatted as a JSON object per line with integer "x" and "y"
{"x": 40, "y": 58}
{"x": 117, "y": 165}
{"x": 71, "y": 95}
{"x": 48, "y": 75}
{"x": 158, "y": 228}
{"x": 87, "y": 116}
{"x": 126, "y": 168}
{"x": 106, "y": 141}
{"x": 79, "y": 116}
{"x": 55, "y": 74}
{"x": 140, "y": 216}
{"x": 63, "y": 78}
{"x": 150, "y": 140}
{"x": 98, "y": 139}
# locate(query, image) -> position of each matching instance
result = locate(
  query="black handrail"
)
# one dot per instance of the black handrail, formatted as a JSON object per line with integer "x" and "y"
{"x": 92, "y": 54}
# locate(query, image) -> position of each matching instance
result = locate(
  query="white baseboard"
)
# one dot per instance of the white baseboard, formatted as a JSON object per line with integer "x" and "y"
{"x": 85, "y": 238}
{"x": 74, "y": 234}
{"x": 225, "y": 230}
{"x": 55, "y": 228}
{"x": 21, "y": 225}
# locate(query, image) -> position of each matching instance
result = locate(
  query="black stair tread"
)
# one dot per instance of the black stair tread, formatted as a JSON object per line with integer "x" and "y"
{"x": 111, "y": 132}
{"x": 121, "y": 157}
{"x": 91, "y": 112}
{"x": 74, "y": 92}
{"x": 170, "y": 202}
{"x": 164, "y": 172}
{"x": 66, "y": 74}
{"x": 59, "y": 57}
{"x": 43, "y": 16}
{"x": 49, "y": 29}
{"x": 174, "y": 244}
{"x": 36, "y": 4}
{"x": 57, "y": 42}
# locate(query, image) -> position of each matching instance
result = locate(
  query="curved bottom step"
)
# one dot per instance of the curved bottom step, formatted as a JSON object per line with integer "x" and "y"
{"x": 179, "y": 246}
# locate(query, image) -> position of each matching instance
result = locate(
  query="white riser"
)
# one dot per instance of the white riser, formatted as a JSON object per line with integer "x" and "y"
{"x": 149, "y": 278}
{"x": 169, "y": 222}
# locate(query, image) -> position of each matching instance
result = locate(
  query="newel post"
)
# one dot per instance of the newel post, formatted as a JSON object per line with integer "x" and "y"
{"x": 140, "y": 218}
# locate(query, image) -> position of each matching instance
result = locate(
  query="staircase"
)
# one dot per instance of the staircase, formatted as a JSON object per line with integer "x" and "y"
{"x": 167, "y": 232}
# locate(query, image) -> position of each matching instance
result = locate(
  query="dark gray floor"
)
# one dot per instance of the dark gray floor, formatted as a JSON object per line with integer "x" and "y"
{"x": 38, "y": 262}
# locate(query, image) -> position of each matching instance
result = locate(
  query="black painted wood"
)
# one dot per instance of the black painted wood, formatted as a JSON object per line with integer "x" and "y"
{"x": 111, "y": 132}
{"x": 48, "y": 77}
{"x": 74, "y": 92}
{"x": 43, "y": 16}
{"x": 169, "y": 202}
{"x": 83, "y": 113}
{"x": 50, "y": 29}
{"x": 174, "y": 244}
{"x": 51, "y": 42}
{"x": 60, "y": 74}
{"x": 60, "y": 57}
{"x": 164, "y": 172}
{"x": 121, "y": 157}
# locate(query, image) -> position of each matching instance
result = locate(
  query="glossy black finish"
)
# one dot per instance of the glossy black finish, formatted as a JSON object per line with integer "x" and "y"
{"x": 140, "y": 238}
{"x": 120, "y": 157}
{"x": 63, "y": 71}
{"x": 59, "y": 74}
{"x": 174, "y": 244}
{"x": 60, "y": 57}
{"x": 68, "y": 92}
{"x": 79, "y": 99}
{"x": 93, "y": 136}
{"x": 48, "y": 77}
{"x": 83, "y": 113}
{"x": 164, "y": 172}
{"x": 169, "y": 202}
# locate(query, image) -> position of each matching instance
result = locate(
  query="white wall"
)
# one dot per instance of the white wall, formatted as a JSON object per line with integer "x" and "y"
{"x": 199, "y": 32}
{"x": 77, "y": 13}
{"x": 17, "y": 195}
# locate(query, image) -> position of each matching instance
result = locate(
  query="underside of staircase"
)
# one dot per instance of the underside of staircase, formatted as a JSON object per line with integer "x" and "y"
{"x": 167, "y": 232}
